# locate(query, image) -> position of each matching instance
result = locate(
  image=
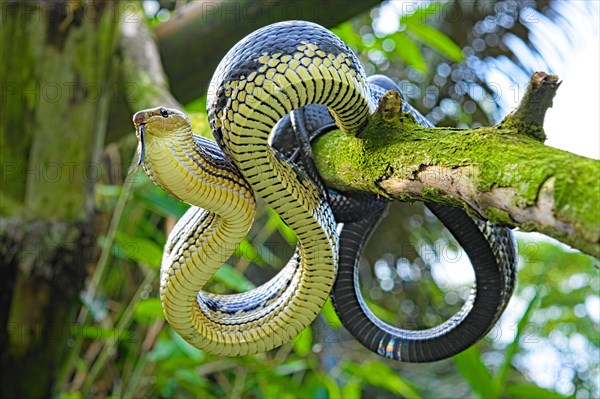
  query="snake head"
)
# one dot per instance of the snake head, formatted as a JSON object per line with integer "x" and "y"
{"x": 159, "y": 124}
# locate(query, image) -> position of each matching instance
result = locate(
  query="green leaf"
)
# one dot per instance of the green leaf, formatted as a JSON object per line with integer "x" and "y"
{"x": 144, "y": 227}
{"x": 352, "y": 389}
{"x": 284, "y": 230}
{"x": 330, "y": 315}
{"x": 303, "y": 342}
{"x": 291, "y": 367}
{"x": 258, "y": 253}
{"x": 530, "y": 391}
{"x": 149, "y": 309}
{"x": 140, "y": 249}
{"x": 381, "y": 312}
{"x": 329, "y": 383}
{"x": 248, "y": 251}
{"x": 197, "y": 106}
{"x": 348, "y": 34}
{"x": 475, "y": 372}
{"x": 434, "y": 39}
{"x": 512, "y": 349}
{"x": 381, "y": 375}
{"x": 268, "y": 257}
{"x": 163, "y": 350}
{"x": 161, "y": 203}
{"x": 190, "y": 376}
{"x": 408, "y": 51}
{"x": 93, "y": 332}
{"x": 185, "y": 347}
{"x": 233, "y": 279}
{"x": 107, "y": 190}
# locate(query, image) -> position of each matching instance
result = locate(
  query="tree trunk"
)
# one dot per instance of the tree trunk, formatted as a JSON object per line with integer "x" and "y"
{"x": 57, "y": 68}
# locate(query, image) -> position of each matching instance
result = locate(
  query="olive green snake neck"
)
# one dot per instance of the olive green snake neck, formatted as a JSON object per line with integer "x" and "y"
{"x": 193, "y": 170}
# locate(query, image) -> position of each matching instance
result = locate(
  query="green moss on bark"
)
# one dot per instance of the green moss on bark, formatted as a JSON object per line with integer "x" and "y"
{"x": 484, "y": 160}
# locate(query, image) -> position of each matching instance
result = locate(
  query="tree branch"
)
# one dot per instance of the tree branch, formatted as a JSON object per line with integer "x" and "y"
{"x": 528, "y": 118}
{"x": 502, "y": 173}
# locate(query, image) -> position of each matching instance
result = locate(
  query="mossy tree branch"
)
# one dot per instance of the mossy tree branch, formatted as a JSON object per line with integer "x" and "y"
{"x": 503, "y": 173}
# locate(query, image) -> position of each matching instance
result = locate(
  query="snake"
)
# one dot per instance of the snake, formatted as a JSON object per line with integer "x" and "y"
{"x": 269, "y": 74}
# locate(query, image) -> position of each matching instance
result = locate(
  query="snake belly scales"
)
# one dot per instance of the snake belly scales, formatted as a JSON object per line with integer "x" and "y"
{"x": 263, "y": 78}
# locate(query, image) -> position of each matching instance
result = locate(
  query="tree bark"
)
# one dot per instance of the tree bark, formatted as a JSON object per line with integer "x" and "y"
{"x": 57, "y": 73}
{"x": 502, "y": 173}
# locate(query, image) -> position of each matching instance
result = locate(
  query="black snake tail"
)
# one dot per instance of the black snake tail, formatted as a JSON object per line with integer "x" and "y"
{"x": 493, "y": 287}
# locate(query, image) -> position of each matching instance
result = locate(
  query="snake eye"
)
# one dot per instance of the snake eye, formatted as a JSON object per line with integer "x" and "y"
{"x": 164, "y": 113}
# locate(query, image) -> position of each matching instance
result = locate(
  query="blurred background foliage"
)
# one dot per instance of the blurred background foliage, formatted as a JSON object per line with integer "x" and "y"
{"x": 413, "y": 274}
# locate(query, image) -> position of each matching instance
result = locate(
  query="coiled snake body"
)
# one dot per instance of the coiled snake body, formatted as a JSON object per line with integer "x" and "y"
{"x": 270, "y": 73}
